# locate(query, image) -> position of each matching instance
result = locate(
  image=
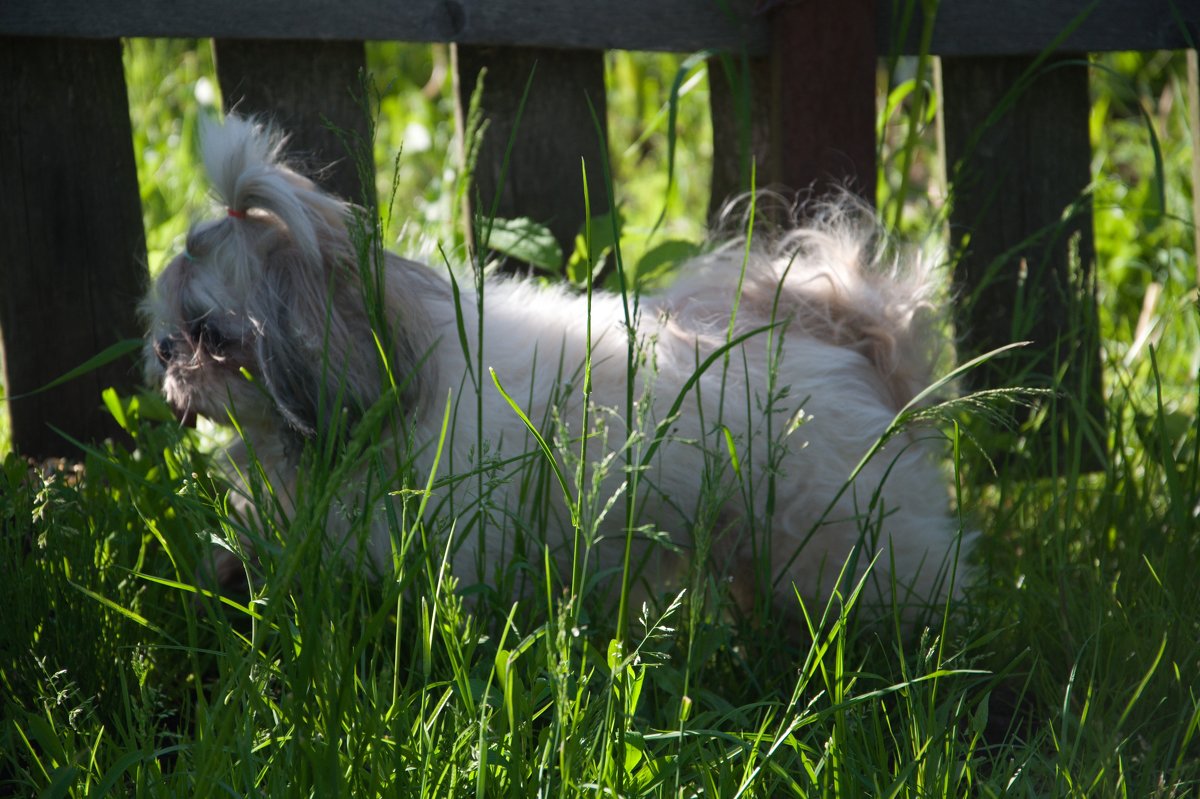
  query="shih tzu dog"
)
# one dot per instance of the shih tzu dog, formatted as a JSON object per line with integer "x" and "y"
{"x": 749, "y": 396}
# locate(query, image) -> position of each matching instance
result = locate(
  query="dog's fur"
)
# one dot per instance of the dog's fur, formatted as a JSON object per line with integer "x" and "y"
{"x": 845, "y": 345}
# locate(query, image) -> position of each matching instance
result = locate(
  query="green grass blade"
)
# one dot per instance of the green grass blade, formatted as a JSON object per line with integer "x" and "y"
{"x": 542, "y": 445}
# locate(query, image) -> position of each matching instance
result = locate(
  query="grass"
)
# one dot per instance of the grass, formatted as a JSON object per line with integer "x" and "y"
{"x": 1072, "y": 669}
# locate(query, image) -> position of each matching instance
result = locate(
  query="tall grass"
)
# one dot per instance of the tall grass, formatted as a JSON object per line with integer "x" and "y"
{"x": 1071, "y": 669}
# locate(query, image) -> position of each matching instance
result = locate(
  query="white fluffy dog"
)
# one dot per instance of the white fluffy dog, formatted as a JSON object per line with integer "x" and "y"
{"x": 267, "y": 318}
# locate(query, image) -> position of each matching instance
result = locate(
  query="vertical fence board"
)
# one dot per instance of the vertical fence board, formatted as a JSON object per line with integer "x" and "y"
{"x": 806, "y": 114}
{"x": 72, "y": 247}
{"x": 314, "y": 91}
{"x": 740, "y": 104}
{"x": 1016, "y": 138}
{"x": 543, "y": 180}
{"x": 824, "y": 78}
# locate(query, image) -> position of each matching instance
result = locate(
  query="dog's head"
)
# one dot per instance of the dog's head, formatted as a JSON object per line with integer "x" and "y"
{"x": 262, "y": 316}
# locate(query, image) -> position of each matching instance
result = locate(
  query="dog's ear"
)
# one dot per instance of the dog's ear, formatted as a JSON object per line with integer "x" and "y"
{"x": 311, "y": 336}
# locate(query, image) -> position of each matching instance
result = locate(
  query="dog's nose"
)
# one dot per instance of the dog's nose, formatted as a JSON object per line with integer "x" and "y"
{"x": 164, "y": 348}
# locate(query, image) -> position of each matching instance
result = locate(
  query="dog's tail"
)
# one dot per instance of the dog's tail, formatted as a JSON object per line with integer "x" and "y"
{"x": 244, "y": 160}
{"x": 837, "y": 276}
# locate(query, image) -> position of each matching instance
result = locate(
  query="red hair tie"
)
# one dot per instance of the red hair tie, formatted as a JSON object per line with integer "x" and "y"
{"x": 236, "y": 214}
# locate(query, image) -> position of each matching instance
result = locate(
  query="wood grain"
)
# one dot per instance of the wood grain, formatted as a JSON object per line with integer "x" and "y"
{"x": 963, "y": 27}
{"x": 824, "y": 96}
{"x": 72, "y": 248}
{"x": 1030, "y": 27}
{"x": 806, "y": 114}
{"x": 741, "y": 100}
{"x": 543, "y": 180}
{"x": 671, "y": 25}
{"x": 314, "y": 91}
{"x": 1016, "y": 142}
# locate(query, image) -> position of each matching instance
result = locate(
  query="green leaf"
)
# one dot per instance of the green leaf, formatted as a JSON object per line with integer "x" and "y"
{"x": 661, "y": 259}
{"x": 115, "y": 408}
{"x": 633, "y": 756}
{"x": 979, "y": 718}
{"x": 732, "y": 448}
{"x": 527, "y": 241}
{"x": 116, "y": 772}
{"x": 126, "y": 612}
{"x": 614, "y": 656}
{"x": 591, "y": 245}
{"x": 64, "y": 780}
{"x": 43, "y": 733}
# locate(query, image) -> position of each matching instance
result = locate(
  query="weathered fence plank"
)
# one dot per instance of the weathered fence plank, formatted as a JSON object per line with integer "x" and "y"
{"x": 1016, "y": 139}
{"x": 72, "y": 249}
{"x": 1031, "y": 27}
{"x": 963, "y": 27}
{"x": 807, "y": 113}
{"x": 824, "y": 74}
{"x": 313, "y": 90}
{"x": 740, "y": 95}
{"x": 543, "y": 180}
{"x": 665, "y": 25}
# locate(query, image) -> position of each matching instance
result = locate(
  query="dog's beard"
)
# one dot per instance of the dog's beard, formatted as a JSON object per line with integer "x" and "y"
{"x": 198, "y": 381}
{"x": 194, "y": 391}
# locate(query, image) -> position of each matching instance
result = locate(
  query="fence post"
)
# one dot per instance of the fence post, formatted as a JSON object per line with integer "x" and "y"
{"x": 740, "y": 104}
{"x": 815, "y": 97}
{"x": 1019, "y": 155}
{"x": 306, "y": 87}
{"x": 72, "y": 247}
{"x": 543, "y": 181}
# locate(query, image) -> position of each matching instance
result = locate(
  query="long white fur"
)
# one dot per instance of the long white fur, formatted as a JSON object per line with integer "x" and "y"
{"x": 278, "y": 293}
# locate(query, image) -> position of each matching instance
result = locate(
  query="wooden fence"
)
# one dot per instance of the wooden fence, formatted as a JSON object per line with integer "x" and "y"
{"x": 72, "y": 247}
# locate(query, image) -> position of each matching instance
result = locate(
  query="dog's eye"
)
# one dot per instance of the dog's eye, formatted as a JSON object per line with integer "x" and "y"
{"x": 209, "y": 338}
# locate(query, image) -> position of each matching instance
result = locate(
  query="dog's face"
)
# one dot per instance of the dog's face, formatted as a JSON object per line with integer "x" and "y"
{"x": 262, "y": 317}
{"x": 202, "y": 345}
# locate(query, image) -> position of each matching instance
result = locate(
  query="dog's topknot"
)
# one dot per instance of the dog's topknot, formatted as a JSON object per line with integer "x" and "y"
{"x": 236, "y": 152}
{"x": 243, "y": 158}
